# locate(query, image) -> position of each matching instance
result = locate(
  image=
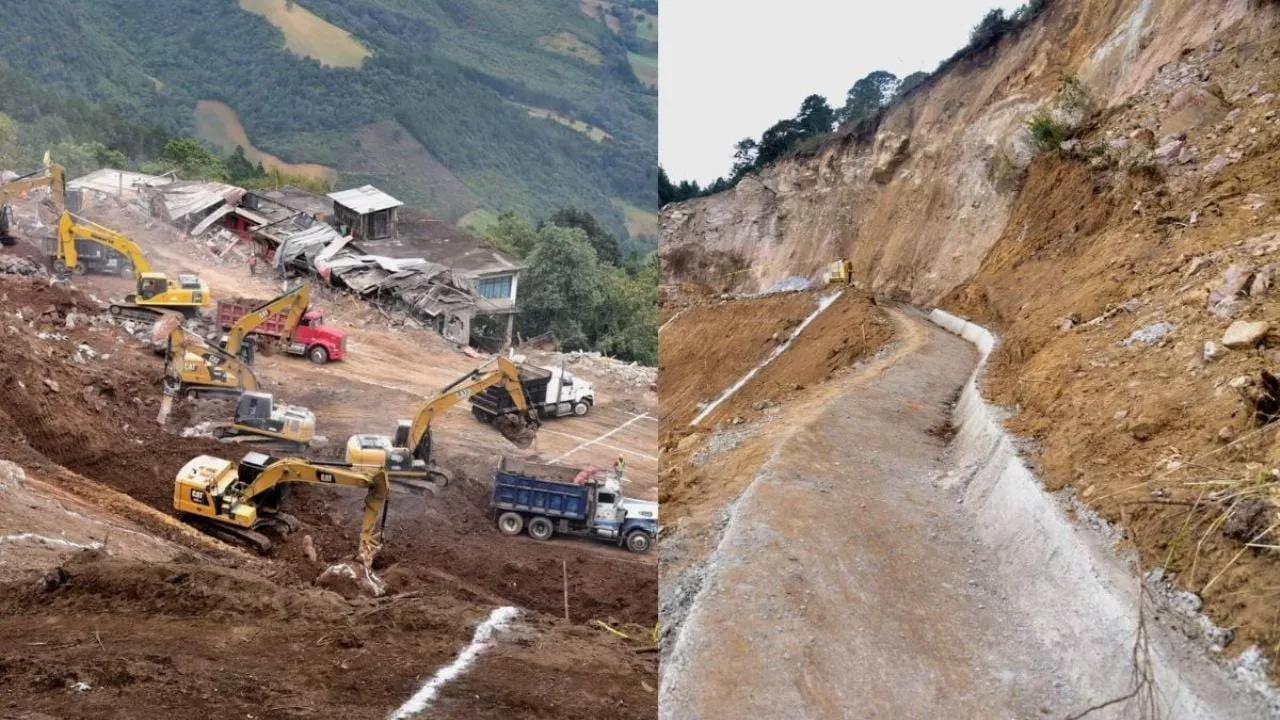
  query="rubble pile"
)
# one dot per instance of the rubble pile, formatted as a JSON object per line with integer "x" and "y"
{"x": 629, "y": 373}
{"x": 11, "y": 265}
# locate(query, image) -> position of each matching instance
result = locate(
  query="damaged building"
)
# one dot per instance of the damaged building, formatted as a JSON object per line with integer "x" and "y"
{"x": 361, "y": 240}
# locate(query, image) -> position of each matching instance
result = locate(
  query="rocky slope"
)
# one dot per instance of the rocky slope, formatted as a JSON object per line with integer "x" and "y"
{"x": 1112, "y": 266}
{"x": 918, "y": 201}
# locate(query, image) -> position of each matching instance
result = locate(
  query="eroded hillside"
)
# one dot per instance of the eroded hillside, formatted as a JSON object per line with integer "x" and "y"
{"x": 1111, "y": 265}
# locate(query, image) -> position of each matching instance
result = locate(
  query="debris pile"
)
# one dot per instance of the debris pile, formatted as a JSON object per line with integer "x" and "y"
{"x": 629, "y": 373}
{"x": 11, "y": 265}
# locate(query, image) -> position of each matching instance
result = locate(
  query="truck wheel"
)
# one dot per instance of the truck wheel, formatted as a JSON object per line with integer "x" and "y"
{"x": 510, "y": 523}
{"x": 541, "y": 528}
{"x": 638, "y": 541}
{"x": 581, "y": 408}
{"x": 79, "y": 269}
{"x": 318, "y": 355}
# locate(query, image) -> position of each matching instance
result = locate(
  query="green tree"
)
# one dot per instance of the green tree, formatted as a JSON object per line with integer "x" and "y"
{"x": 868, "y": 95}
{"x": 9, "y": 154}
{"x": 744, "y": 156}
{"x": 512, "y": 234}
{"x": 627, "y": 323}
{"x": 666, "y": 191}
{"x": 604, "y": 242}
{"x": 988, "y": 32}
{"x": 192, "y": 160}
{"x": 815, "y": 117}
{"x": 562, "y": 287}
{"x": 240, "y": 169}
{"x": 911, "y": 82}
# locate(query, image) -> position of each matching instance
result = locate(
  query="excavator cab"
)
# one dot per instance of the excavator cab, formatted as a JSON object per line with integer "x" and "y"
{"x": 840, "y": 272}
{"x": 258, "y": 411}
{"x": 152, "y": 284}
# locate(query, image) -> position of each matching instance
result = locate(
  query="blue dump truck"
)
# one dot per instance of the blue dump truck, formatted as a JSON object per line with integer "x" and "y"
{"x": 545, "y": 500}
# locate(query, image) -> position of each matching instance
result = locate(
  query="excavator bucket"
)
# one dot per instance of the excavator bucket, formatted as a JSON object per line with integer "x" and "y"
{"x": 166, "y": 324}
{"x": 517, "y": 429}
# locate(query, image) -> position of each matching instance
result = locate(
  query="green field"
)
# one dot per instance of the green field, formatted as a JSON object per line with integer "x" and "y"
{"x": 218, "y": 124}
{"x": 566, "y": 43}
{"x": 478, "y": 220}
{"x": 590, "y": 131}
{"x": 647, "y": 29}
{"x": 645, "y": 68}
{"x": 308, "y": 35}
{"x": 639, "y": 220}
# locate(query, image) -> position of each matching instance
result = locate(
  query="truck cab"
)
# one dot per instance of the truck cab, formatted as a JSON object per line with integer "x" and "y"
{"x": 552, "y": 392}
{"x": 567, "y": 394}
{"x": 319, "y": 342}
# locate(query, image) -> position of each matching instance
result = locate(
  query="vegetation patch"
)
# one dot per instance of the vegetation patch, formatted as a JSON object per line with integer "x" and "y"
{"x": 587, "y": 129}
{"x": 479, "y": 220}
{"x": 309, "y": 35}
{"x": 645, "y": 67}
{"x": 639, "y": 221}
{"x": 566, "y": 43}
{"x": 218, "y": 124}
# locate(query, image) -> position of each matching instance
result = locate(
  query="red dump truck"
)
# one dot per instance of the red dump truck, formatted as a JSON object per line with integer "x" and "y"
{"x": 312, "y": 338}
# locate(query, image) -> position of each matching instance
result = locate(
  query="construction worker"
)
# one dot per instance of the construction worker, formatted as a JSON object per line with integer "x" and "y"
{"x": 619, "y": 467}
{"x": 253, "y": 264}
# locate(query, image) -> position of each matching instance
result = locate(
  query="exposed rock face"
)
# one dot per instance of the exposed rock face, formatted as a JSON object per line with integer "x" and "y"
{"x": 918, "y": 203}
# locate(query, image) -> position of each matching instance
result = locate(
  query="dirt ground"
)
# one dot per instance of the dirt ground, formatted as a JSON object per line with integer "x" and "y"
{"x": 695, "y": 481}
{"x": 1153, "y": 436}
{"x": 155, "y": 625}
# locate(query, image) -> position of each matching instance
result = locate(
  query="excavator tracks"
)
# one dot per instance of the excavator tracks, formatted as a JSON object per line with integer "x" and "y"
{"x": 232, "y": 535}
{"x": 436, "y": 480}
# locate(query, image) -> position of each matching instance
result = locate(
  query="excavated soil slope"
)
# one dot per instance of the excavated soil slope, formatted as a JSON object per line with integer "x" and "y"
{"x": 1152, "y": 435}
{"x": 230, "y": 635}
{"x": 1159, "y": 216}
{"x": 704, "y": 468}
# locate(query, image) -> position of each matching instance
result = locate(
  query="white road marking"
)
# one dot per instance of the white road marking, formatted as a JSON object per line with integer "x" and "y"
{"x": 499, "y": 619}
{"x": 41, "y": 539}
{"x": 823, "y": 304}
{"x": 604, "y": 445}
{"x": 602, "y": 437}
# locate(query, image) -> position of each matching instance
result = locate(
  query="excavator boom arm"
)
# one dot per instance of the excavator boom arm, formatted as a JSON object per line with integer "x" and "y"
{"x": 52, "y": 176}
{"x": 295, "y": 301}
{"x": 294, "y": 470}
{"x": 72, "y": 227}
{"x": 463, "y": 388}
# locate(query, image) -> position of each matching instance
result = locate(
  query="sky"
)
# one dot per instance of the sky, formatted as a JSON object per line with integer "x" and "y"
{"x": 729, "y": 69}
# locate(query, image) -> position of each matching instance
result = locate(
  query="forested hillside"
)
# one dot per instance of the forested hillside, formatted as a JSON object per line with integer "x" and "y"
{"x": 466, "y": 108}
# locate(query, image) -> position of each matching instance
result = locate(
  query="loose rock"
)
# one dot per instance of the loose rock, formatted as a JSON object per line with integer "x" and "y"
{"x": 1242, "y": 335}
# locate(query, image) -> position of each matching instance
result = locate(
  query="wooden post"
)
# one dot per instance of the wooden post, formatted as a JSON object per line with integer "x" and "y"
{"x": 565, "y": 567}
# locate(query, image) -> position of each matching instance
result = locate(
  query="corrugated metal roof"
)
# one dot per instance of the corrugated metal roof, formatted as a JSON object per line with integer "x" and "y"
{"x": 365, "y": 199}
{"x": 113, "y": 182}
{"x": 183, "y": 199}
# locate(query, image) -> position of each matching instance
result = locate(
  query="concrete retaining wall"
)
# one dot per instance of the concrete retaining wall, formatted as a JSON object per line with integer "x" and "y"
{"x": 1083, "y": 598}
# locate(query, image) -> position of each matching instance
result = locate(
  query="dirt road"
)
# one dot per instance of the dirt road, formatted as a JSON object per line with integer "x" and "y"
{"x": 848, "y": 585}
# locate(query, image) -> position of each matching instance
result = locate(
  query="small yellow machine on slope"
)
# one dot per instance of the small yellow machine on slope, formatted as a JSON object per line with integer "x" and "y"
{"x": 235, "y": 502}
{"x": 840, "y": 272}
{"x": 407, "y": 456}
{"x": 52, "y": 176}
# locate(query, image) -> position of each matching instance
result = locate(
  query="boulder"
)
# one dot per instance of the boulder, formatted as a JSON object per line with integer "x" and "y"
{"x": 1243, "y": 335}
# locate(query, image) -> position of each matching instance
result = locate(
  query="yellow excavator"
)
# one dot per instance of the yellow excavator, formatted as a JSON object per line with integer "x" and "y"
{"x": 406, "y": 457}
{"x": 70, "y": 253}
{"x": 52, "y": 176}
{"x": 156, "y": 293}
{"x": 235, "y": 502}
{"x": 193, "y": 367}
{"x": 258, "y": 420}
